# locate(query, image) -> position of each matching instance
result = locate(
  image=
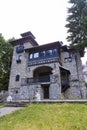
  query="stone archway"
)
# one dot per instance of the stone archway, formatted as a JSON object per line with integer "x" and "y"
{"x": 42, "y": 72}
{"x": 43, "y": 75}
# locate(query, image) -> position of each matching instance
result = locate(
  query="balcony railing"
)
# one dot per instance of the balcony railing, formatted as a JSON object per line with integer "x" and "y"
{"x": 41, "y": 79}
{"x": 43, "y": 61}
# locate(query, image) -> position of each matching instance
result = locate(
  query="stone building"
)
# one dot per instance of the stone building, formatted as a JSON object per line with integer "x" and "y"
{"x": 85, "y": 72}
{"x": 51, "y": 71}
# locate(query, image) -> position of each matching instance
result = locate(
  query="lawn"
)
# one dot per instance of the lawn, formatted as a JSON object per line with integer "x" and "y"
{"x": 47, "y": 117}
{"x": 1, "y": 105}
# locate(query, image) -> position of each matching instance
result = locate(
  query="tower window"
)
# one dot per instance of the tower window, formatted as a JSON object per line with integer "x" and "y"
{"x": 19, "y": 59}
{"x": 20, "y": 48}
{"x": 17, "y": 78}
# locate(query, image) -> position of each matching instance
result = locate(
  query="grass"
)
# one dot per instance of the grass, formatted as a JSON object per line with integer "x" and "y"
{"x": 47, "y": 117}
{"x": 1, "y": 105}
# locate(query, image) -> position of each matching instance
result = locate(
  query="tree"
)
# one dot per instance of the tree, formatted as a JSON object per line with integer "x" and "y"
{"x": 5, "y": 62}
{"x": 77, "y": 23}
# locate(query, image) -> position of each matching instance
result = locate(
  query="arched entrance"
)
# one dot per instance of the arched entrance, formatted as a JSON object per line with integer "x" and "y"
{"x": 43, "y": 75}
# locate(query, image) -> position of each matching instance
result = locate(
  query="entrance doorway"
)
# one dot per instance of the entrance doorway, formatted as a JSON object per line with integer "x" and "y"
{"x": 45, "y": 91}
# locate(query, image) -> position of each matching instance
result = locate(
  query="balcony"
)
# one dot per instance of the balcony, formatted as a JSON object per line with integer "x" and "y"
{"x": 43, "y": 61}
{"x": 20, "y": 49}
{"x": 42, "y": 79}
{"x": 38, "y": 80}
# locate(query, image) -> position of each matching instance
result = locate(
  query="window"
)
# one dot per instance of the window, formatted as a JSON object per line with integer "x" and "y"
{"x": 49, "y": 52}
{"x": 70, "y": 59}
{"x": 65, "y": 60}
{"x": 36, "y": 55}
{"x": 42, "y": 54}
{"x": 54, "y": 51}
{"x": 20, "y": 48}
{"x": 19, "y": 59}
{"x": 31, "y": 56}
{"x": 17, "y": 78}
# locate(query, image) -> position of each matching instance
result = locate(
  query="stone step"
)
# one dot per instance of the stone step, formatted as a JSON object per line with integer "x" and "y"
{"x": 61, "y": 101}
{"x": 16, "y": 104}
{"x": 23, "y": 104}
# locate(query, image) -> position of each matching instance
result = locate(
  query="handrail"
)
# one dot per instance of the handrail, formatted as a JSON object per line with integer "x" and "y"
{"x": 39, "y": 79}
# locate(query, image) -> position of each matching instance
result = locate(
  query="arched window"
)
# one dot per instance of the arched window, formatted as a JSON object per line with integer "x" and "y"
{"x": 19, "y": 58}
{"x": 31, "y": 56}
{"x": 17, "y": 78}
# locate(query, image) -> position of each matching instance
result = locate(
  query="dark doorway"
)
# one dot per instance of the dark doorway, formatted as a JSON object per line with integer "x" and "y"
{"x": 46, "y": 91}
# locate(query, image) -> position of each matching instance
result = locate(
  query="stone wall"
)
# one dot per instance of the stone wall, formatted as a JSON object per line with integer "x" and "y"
{"x": 18, "y": 68}
{"x": 28, "y": 92}
{"x": 77, "y": 87}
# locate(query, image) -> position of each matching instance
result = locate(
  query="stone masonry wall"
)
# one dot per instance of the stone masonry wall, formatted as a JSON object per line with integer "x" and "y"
{"x": 18, "y": 68}
{"x": 77, "y": 87}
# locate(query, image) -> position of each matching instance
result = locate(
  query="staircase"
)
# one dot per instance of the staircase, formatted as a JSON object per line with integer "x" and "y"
{"x": 16, "y": 104}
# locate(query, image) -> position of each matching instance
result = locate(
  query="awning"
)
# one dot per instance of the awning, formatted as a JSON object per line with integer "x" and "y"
{"x": 64, "y": 69}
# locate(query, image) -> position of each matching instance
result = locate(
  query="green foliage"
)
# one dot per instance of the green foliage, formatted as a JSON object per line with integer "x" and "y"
{"x": 1, "y": 105}
{"x": 86, "y": 85}
{"x": 47, "y": 117}
{"x": 77, "y": 23}
{"x": 5, "y": 62}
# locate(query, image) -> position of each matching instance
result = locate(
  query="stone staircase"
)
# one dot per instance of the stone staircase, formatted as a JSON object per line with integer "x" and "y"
{"x": 24, "y": 103}
{"x": 16, "y": 104}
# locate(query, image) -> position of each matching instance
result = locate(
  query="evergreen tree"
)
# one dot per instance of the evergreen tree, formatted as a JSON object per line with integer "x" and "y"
{"x": 77, "y": 23}
{"x": 5, "y": 62}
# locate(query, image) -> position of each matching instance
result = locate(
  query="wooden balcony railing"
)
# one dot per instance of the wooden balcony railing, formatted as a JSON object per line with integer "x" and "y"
{"x": 43, "y": 61}
{"x": 39, "y": 79}
{"x": 26, "y": 81}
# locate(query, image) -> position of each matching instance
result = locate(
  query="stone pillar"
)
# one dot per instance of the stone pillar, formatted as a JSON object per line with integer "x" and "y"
{"x": 55, "y": 89}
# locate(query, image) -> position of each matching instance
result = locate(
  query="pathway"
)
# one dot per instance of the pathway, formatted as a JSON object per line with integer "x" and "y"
{"x": 8, "y": 110}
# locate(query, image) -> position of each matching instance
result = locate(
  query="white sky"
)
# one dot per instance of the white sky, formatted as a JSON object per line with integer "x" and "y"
{"x": 46, "y": 19}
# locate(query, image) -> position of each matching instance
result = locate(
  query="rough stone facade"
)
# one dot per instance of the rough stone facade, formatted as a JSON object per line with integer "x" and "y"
{"x": 55, "y": 75}
{"x": 85, "y": 71}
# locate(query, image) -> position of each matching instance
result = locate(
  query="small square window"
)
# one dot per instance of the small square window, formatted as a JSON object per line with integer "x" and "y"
{"x": 70, "y": 59}
{"x": 65, "y": 60}
{"x": 36, "y": 55}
